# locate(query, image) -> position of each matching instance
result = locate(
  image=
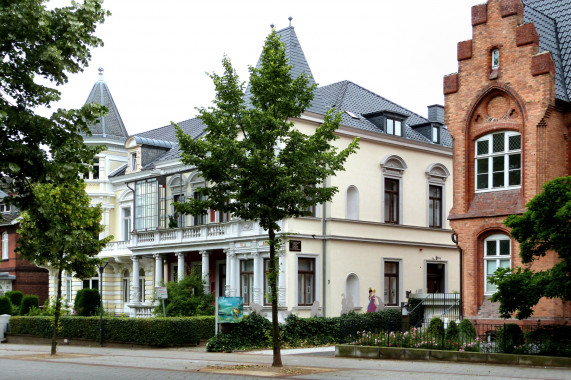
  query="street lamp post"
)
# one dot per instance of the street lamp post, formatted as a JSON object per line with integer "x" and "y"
{"x": 101, "y": 269}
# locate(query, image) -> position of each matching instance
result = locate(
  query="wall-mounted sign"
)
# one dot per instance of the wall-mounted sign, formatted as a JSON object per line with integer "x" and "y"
{"x": 295, "y": 245}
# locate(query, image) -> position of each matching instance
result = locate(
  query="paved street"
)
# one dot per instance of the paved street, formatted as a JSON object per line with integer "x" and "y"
{"x": 75, "y": 362}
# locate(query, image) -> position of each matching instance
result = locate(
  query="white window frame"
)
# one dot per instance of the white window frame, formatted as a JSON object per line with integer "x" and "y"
{"x": 317, "y": 293}
{"x": 436, "y": 175}
{"x": 489, "y": 288}
{"x": 126, "y": 287}
{"x": 4, "y": 208}
{"x": 124, "y": 219}
{"x": 506, "y": 153}
{"x": 436, "y": 134}
{"x": 68, "y": 289}
{"x": 393, "y": 167}
{"x": 5, "y": 246}
{"x": 133, "y": 161}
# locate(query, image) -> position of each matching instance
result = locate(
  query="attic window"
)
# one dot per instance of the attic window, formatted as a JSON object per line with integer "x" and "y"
{"x": 435, "y": 134}
{"x": 352, "y": 115}
{"x": 394, "y": 127}
{"x": 4, "y": 208}
{"x": 133, "y": 161}
{"x": 495, "y": 59}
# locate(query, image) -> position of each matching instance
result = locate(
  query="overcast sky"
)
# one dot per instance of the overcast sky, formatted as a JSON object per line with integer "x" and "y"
{"x": 156, "y": 53}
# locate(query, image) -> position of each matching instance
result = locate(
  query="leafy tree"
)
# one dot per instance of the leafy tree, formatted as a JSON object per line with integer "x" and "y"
{"x": 62, "y": 231}
{"x": 258, "y": 166}
{"x": 545, "y": 226}
{"x": 40, "y": 47}
{"x": 87, "y": 302}
{"x": 186, "y": 298}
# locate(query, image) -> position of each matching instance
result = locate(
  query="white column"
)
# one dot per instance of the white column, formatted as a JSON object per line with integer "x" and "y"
{"x": 205, "y": 271}
{"x": 282, "y": 278}
{"x": 158, "y": 269}
{"x": 258, "y": 278}
{"x": 236, "y": 277}
{"x": 135, "y": 279}
{"x": 228, "y": 275}
{"x": 180, "y": 273}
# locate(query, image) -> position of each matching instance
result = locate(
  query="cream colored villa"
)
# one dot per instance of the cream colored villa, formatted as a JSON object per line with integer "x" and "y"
{"x": 385, "y": 229}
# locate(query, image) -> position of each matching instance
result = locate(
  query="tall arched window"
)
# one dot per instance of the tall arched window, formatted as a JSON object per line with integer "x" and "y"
{"x": 497, "y": 254}
{"x": 498, "y": 161}
{"x": 5, "y": 245}
{"x": 141, "y": 285}
{"x": 352, "y": 211}
{"x": 393, "y": 168}
{"x": 126, "y": 288}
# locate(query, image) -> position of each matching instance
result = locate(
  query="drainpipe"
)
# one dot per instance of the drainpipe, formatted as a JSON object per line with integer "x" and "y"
{"x": 324, "y": 252}
{"x": 454, "y": 238}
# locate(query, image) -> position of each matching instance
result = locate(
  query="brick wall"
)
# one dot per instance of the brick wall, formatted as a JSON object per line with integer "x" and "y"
{"x": 518, "y": 96}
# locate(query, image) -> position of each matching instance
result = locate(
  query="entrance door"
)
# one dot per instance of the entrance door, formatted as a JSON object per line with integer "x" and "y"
{"x": 221, "y": 280}
{"x": 435, "y": 278}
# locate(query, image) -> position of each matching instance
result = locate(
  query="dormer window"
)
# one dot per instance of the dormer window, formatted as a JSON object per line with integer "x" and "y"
{"x": 394, "y": 127}
{"x": 435, "y": 134}
{"x": 133, "y": 161}
{"x": 4, "y": 208}
{"x": 495, "y": 59}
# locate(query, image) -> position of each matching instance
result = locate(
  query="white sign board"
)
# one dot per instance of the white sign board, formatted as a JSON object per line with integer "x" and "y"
{"x": 162, "y": 293}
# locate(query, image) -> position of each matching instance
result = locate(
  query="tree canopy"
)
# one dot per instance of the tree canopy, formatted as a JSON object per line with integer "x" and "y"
{"x": 62, "y": 230}
{"x": 40, "y": 47}
{"x": 257, "y": 164}
{"x": 544, "y": 227}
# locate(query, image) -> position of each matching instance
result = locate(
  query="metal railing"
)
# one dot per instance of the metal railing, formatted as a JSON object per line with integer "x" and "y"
{"x": 442, "y": 305}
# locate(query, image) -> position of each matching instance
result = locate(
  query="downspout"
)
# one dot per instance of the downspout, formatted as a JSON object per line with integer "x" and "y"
{"x": 454, "y": 238}
{"x": 133, "y": 213}
{"x": 324, "y": 251}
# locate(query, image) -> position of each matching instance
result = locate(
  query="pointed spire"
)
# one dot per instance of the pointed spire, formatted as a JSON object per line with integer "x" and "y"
{"x": 100, "y": 69}
{"x": 290, "y": 18}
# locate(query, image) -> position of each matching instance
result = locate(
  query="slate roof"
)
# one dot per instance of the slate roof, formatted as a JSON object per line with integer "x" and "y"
{"x": 552, "y": 19}
{"x": 345, "y": 96}
{"x": 110, "y": 125}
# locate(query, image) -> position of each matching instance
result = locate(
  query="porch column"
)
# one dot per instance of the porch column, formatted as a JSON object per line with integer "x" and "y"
{"x": 205, "y": 271}
{"x": 282, "y": 278}
{"x": 230, "y": 258}
{"x": 258, "y": 277}
{"x": 158, "y": 269}
{"x": 135, "y": 278}
{"x": 180, "y": 273}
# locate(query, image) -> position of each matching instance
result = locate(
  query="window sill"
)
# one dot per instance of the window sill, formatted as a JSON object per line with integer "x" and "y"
{"x": 497, "y": 189}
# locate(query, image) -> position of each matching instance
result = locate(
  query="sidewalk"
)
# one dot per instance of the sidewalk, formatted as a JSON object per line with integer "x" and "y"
{"x": 100, "y": 362}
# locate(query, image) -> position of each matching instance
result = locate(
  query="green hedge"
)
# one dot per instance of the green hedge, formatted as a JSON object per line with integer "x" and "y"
{"x": 148, "y": 331}
{"x": 15, "y": 296}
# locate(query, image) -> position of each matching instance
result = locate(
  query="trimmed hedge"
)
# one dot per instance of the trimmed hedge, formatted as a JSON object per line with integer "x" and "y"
{"x": 15, "y": 296}
{"x": 148, "y": 331}
{"x": 28, "y": 302}
{"x": 87, "y": 302}
{"x": 5, "y": 305}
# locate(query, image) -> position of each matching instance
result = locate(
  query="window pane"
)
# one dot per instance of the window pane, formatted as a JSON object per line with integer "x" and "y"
{"x": 514, "y": 142}
{"x": 247, "y": 265}
{"x": 393, "y": 291}
{"x": 498, "y": 163}
{"x": 398, "y": 128}
{"x": 437, "y": 214}
{"x": 504, "y": 247}
{"x": 482, "y": 147}
{"x": 482, "y": 181}
{"x": 491, "y": 248}
{"x": 482, "y": 164}
{"x": 498, "y": 179}
{"x": 390, "y": 127}
{"x": 434, "y": 191}
{"x": 387, "y": 290}
{"x": 300, "y": 287}
{"x": 515, "y": 177}
{"x": 309, "y": 289}
{"x": 491, "y": 266}
{"x": 504, "y": 264}
{"x": 391, "y": 268}
{"x": 498, "y": 142}
{"x": 305, "y": 265}
{"x": 514, "y": 161}
{"x": 491, "y": 288}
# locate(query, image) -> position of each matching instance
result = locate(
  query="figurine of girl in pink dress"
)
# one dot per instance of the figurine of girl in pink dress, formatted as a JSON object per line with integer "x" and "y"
{"x": 372, "y": 305}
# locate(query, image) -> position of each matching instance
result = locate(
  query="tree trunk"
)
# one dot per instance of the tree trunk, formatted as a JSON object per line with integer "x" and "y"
{"x": 277, "y": 362}
{"x": 57, "y": 312}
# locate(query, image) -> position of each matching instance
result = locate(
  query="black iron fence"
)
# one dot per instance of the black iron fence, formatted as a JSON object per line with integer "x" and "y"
{"x": 441, "y": 305}
{"x": 553, "y": 340}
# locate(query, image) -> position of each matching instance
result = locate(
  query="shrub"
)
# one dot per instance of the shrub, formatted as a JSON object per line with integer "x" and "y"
{"x": 87, "y": 302}
{"x": 509, "y": 338}
{"x": 452, "y": 331}
{"x": 436, "y": 328}
{"x": 186, "y": 298}
{"x": 466, "y": 331}
{"x": 29, "y": 301}
{"x": 147, "y": 331}
{"x": 554, "y": 340}
{"x": 5, "y": 305}
{"x": 15, "y": 296}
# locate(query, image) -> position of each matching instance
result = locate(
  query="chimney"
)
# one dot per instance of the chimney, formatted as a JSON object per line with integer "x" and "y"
{"x": 436, "y": 113}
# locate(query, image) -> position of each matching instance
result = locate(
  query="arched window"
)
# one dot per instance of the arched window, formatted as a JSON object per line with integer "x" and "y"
{"x": 5, "y": 245}
{"x": 126, "y": 288}
{"x": 178, "y": 195}
{"x": 352, "y": 289}
{"x": 498, "y": 161}
{"x": 436, "y": 175}
{"x": 141, "y": 285}
{"x": 497, "y": 254}
{"x": 352, "y": 211}
{"x": 393, "y": 169}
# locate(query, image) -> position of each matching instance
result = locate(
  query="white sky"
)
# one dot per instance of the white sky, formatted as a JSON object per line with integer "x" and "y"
{"x": 156, "y": 53}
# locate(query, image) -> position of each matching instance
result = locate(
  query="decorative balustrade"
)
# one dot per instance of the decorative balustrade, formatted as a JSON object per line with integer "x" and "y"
{"x": 141, "y": 310}
{"x": 115, "y": 246}
{"x": 167, "y": 235}
{"x": 146, "y": 237}
{"x": 191, "y": 233}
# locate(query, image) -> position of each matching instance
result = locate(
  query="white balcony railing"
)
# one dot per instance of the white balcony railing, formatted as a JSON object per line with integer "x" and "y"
{"x": 229, "y": 230}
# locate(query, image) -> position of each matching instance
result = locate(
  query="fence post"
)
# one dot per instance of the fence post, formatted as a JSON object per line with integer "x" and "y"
{"x": 504, "y": 343}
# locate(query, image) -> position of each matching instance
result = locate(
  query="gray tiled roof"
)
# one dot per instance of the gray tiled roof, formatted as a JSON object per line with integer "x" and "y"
{"x": 552, "y": 19}
{"x": 110, "y": 125}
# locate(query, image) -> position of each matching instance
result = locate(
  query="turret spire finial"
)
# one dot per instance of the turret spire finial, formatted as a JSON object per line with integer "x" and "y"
{"x": 100, "y": 69}
{"x": 272, "y": 25}
{"x": 290, "y": 18}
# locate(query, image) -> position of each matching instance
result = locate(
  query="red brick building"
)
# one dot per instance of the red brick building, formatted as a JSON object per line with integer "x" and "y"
{"x": 15, "y": 273}
{"x": 508, "y": 110}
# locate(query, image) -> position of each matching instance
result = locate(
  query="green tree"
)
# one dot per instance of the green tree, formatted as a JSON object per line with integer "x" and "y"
{"x": 62, "y": 230}
{"x": 186, "y": 298}
{"x": 544, "y": 227}
{"x": 40, "y": 47}
{"x": 257, "y": 164}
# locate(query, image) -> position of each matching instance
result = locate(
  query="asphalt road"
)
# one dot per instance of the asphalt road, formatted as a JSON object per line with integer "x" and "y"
{"x": 76, "y": 362}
